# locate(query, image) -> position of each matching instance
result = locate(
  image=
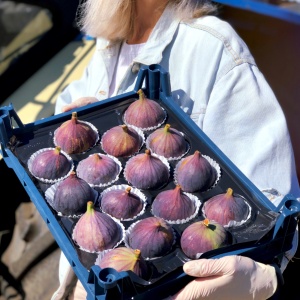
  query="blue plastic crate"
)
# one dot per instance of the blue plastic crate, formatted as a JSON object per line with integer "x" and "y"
{"x": 265, "y": 237}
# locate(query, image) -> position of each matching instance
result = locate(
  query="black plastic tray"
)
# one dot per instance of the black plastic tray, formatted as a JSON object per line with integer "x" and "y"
{"x": 264, "y": 237}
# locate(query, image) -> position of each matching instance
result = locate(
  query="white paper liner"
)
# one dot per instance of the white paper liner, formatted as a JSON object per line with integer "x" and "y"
{"x": 163, "y": 159}
{"x": 122, "y": 231}
{"x": 92, "y": 127}
{"x": 101, "y": 185}
{"x": 188, "y": 146}
{"x": 139, "y": 132}
{"x": 212, "y": 162}
{"x": 135, "y": 191}
{"x": 126, "y": 240}
{"x": 49, "y": 196}
{"x": 236, "y": 223}
{"x": 195, "y": 201}
{"x": 50, "y": 181}
{"x": 147, "y": 128}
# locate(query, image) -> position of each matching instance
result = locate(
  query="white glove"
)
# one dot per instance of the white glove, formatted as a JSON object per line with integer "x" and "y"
{"x": 228, "y": 278}
{"x": 79, "y": 103}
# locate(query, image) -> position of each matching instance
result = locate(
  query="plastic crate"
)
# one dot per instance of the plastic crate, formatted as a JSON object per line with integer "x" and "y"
{"x": 264, "y": 237}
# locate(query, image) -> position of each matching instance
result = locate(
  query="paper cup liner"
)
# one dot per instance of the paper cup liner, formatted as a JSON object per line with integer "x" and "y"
{"x": 45, "y": 180}
{"x": 135, "y": 191}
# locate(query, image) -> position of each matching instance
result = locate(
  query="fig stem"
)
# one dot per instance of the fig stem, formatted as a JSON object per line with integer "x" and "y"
{"x": 90, "y": 207}
{"x": 206, "y": 222}
{"x": 229, "y": 192}
{"x": 167, "y": 127}
{"x": 125, "y": 128}
{"x": 128, "y": 189}
{"x": 58, "y": 149}
{"x": 141, "y": 94}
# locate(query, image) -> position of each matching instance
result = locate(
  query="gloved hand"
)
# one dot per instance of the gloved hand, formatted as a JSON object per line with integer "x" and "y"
{"x": 228, "y": 278}
{"x": 79, "y": 103}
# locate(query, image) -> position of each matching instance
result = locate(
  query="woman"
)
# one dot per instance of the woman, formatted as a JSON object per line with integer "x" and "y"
{"x": 215, "y": 80}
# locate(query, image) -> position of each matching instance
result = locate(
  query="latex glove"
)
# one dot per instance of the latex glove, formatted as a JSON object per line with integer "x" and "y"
{"x": 228, "y": 278}
{"x": 79, "y": 103}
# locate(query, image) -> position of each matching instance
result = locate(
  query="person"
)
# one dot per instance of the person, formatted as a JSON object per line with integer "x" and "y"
{"x": 215, "y": 80}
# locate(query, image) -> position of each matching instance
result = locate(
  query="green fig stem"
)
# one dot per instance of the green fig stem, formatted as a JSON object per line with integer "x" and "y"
{"x": 167, "y": 127}
{"x": 57, "y": 149}
{"x": 74, "y": 117}
{"x": 141, "y": 95}
{"x": 137, "y": 253}
{"x": 205, "y": 222}
{"x": 229, "y": 192}
{"x": 90, "y": 207}
{"x": 125, "y": 128}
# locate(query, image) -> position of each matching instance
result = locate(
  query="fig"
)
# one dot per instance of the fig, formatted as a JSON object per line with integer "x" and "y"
{"x": 71, "y": 195}
{"x": 121, "y": 141}
{"x": 203, "y": 236}
{"x": 96, "y": 231}
{"x": 167, "y": 142}
{"x": 173, "y": 205}
{"x": 147, "y": 171}
{"x": 121, "y": 203}
{"x": 99, "y": 169}
{"x": 50, "y": 164}
{"x": 152, "y": 235}
{"x": 144, "y": 113}
{"x": 124, "y": 259}
{"x": 226, "y": 208}
{"x": 195, "y": 173}
{"x": 75, "y": 136}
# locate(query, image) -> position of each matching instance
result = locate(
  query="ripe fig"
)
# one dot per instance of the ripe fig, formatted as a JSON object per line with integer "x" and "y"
{"x": 70, "y": 196}
{"x": 167, "y": 142}
{"x": 75, "y": 136}
{"x": 147, "y": 171}
{"x": 50, "y": 164}
{"x": 194, "y": 173}
{"x": 99, "y": 169}
{"x": 175, "y": 205}
{"x": 124, "y": 259}
{"x": 96, "y": 231}
{"x": 226, "y": 208}
{"x": 144, "y": 113}
{"x": 152, "y": 235}
{"x": 203, "y": 236}
{"x": 122, "y": 141}
{"x": 122, "y": 203}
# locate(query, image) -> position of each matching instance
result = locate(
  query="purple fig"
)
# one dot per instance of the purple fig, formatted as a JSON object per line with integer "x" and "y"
{"x": 172, "y": 205}
{"x": 195, "y": 173}
{"x": 50, "y": 164}
{"x": 72, "y": 194}
{"x": 75, "y": 136}
{"x": 99, "y": 169}
{"x": 153, "y": 236}
{"x": 146, "y": 171}
{"x": 226, "y": 207}
{"x": 121, "y": 204}
{"x": 203, "y": 236}
{"x": 144, "y": 113}
{"x": 121, "y": 141}
{"x": 124, "y": 259}
{"x": 96, "y": 231}
{"x": 167, "y": 142}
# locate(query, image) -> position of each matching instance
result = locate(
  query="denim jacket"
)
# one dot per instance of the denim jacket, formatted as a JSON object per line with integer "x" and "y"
{"x": 215, "y": 80}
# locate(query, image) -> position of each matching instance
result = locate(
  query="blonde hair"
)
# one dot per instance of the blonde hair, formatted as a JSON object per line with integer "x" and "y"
{"x": 113, "y": 19}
